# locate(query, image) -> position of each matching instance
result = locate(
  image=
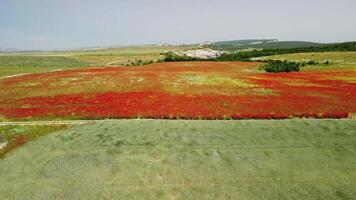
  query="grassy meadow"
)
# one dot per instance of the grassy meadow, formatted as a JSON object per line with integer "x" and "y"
{"x": 155, "y": 159}
{"x": 12, "y": 64}
{"x": 36, "y": 62}
{"x": 23, "y": 64}
{"x": 337, "y": 60}
{"x": 16, "y": 136}
{"x": 123, "y": 56}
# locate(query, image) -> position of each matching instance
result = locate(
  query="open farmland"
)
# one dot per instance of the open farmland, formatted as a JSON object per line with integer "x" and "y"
{"x": 157, "y": 159}
{"x": 12, "y": 65}
{"x": 337, "y": 60}
{"x": 191, "y": 90}
{"x": 123, "y": 56}
{"x": 177, "y": 100}
{"x": 36, "y": 62}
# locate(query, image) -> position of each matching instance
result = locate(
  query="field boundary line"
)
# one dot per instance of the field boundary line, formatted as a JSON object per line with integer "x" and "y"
{"x": 15, "y": 75}
{"x": 79, "y": 122}
{"x": 38, "y": 123}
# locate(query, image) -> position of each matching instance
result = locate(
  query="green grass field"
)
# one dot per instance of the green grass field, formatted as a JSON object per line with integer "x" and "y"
{"x": 20, "y": 64}
{"x": 337, "y": 60}
{"x": 16, "y": 136}
{"x": 154, "y": 159}
{"x": 12, "y": 64}
{"x": 123, "y": 56}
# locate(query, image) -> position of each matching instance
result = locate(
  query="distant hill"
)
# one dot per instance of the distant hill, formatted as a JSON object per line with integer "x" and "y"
{"x": 230, "y": 45}
{"x": 245, "y": 42}
{"x": 7, "y": 50}
{"x": 247, "y": 55}
{"x": 236, "y": 45}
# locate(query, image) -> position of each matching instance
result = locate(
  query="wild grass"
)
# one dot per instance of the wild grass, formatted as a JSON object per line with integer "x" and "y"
{"x": 336, "y": 60}
{"x": 212, "y": 79}
{"x": 20, "y": 64}
{"x": 135, "y": 159}
{"x": 12, "y": 64}
{"x": 123, "y": 56}
{"x": 16, "y": 136}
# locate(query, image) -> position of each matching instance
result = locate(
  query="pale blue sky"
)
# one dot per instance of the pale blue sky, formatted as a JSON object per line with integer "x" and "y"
{"x": 55, "y": 24}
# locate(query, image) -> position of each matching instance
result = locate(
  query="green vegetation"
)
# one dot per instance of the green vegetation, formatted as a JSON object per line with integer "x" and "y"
{"x": 247, "y": 55}
{"x": 130, "y": 159}
{"x": 238, "y": 45}
{"x": 16, "y": 136}
{"x": 251, "y": 55}
{"x": 322, "y": 61}
{"x": 20, "y": 64}
{"x": 35, "y": 62}
{"x": 139, "y": 63}
{"x": 212, "y": 79}
{"x": 39, "y": 61}
{"x": 243, "y": 42}
{"x": 276, "y": 66}
{"x": 124, "y": 56}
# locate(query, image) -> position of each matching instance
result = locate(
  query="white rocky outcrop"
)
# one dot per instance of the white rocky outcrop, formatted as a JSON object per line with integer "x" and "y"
{"x": 200, "y": 53}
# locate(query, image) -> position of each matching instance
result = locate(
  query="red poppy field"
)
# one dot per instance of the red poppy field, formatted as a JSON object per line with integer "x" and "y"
{"x": 184, "y": 90}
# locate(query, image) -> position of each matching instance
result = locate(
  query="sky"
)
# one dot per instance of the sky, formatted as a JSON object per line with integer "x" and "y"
{"x": 64, "y": 24}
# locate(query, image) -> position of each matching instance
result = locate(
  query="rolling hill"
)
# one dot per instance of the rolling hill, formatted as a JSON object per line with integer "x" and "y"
{"x": 236, "y": 45}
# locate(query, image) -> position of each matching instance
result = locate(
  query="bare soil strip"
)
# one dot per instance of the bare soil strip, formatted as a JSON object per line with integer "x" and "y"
{"x": 38, "y": 123}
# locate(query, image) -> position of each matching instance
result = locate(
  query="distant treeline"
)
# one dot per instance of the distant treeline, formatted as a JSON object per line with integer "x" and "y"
{"x": 246, "y": 55}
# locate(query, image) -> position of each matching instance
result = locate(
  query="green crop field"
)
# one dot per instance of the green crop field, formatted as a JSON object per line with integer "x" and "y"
{"x": 16, "y": 136}
{"x": 123, "y": 56}
{"x": 35, "y": 62}
{"x": 337, "y": 60}
{"x": 154, "y": 159}
{"x": 15, "y": 64}
{"x": 20, "y": 64}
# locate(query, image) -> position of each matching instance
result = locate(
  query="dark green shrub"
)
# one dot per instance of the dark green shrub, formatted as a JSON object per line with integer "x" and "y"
{"x": 277, "y": 66}
{"x": 312, "y": 62}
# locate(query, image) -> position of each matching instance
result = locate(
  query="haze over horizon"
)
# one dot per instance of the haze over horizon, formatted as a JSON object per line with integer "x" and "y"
{"x": 65, "y": 24}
